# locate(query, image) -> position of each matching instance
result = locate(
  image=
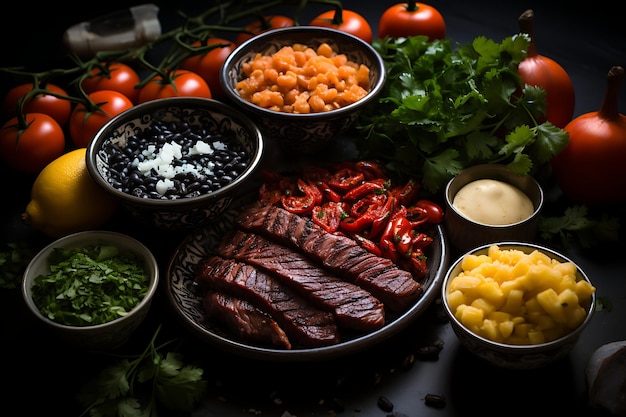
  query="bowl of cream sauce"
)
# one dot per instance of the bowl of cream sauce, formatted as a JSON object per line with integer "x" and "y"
{"x": 488, "y": 203}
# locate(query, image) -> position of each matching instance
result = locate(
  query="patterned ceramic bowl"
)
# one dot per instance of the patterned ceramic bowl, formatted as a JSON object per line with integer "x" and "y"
{"x": 108, "y": 335}
{"x": 302, "y": 132}
{"x": 176, "y": 163}
{"x": 513, "y": 353}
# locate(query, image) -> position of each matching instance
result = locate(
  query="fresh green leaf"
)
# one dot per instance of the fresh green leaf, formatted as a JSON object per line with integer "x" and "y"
{"x": 144, "y": 386}
{"x": 576, "y": 226}
{"x": 443, "y": 109}
{"x": 90, "y": 285}
{"x": 14, "y": 258}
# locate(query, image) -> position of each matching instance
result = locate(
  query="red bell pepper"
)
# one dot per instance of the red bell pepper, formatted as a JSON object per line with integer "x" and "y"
{"x": 329, "y": 215}
{"x": 376, "y": 186}
{"x": 345, "y": 179}
{"x": 303, "y": 199}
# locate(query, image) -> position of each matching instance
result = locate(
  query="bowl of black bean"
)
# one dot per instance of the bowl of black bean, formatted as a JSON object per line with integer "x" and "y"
{"x": 176, "y": 163}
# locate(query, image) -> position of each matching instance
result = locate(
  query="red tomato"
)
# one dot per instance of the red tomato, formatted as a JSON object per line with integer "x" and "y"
{"x": 434, "y": 210}
{"x": 208, "y": 65}
{"x": 412, "y": 19}
{"x": 84, "y": 123}
{"x": 36, "y": 146}
{"x": 115, "y": 76}
{"x": 57, "y": 108}
{"x": 347, "y": 21}
{"x": 539, "y": 70}
{"x": 182, "y": 83}
{"x": 263, "y": 24}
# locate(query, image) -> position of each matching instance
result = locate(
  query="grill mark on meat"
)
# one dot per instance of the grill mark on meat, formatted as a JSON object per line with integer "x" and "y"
{"x": 309, "y": 326}
{"x": 395, "y": 287}
{"x": 245, "y": 320}
{"x": 353, "y": 307}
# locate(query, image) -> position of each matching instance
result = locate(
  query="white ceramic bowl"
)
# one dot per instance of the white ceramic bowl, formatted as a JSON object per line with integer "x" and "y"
{"x": 465, "y": 233}
{"x": 104, "y": 336}
{"x": 209, "y": 120}
{"x": 302, "y": 133}
{"x": 515, "y": 356}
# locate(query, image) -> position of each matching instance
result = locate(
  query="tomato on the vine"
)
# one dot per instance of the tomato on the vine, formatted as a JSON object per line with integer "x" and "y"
{"x": 115, "y": 76}
{"x": 411, "y": 19}
{"x": 181, "y": 83}
{"x": 57, "y": 108}
{"x": 208, "y": 64}
{"x": 85, "y": 123}
{"x": 346, "y": 21}
{"x": 31, "y": 149}
{"x": 263, "y": 24}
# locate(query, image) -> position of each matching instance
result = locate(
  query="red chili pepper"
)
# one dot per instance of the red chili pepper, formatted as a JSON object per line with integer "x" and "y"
{"x": 378, "y": 225}
{"x": 367, "y": 244}
{"x": 364, "y": 212}
{"x": 303, "y": 199}
{"x": 329, "y": 215}
{"x": 345, "y": 179}
{"x": 417, "y": 216}
{"x": 376, "y": 186}
{"x": 388, "y": 248}
{"x": 407, "y": 194}
{"x": 371, "y": 170}
{"x": 420, "y": 241}
{"x": 327, "y": 192}
{"x": 417, "y": 264}
{"x": 402, "y": 232}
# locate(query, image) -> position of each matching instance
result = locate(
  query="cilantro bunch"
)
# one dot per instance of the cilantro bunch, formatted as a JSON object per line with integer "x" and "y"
{"x": 148, "y": 385}
{"x": 443, "y": 109}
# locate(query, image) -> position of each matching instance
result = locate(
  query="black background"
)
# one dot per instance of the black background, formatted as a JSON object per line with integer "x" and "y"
{"x": 585, "y": 38}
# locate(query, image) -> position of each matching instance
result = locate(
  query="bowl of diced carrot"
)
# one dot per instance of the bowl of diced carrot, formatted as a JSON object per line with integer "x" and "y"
{"x": 303, "y": 85}
{"x": 517, "y": 305}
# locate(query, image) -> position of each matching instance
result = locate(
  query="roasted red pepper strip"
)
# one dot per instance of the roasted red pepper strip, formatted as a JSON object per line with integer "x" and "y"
{"x": 407, "y": 194}
{"x": 434, "y": 210}
{"x": 378, "y": 225}
{"x": 417, "y": 216}
{"x": 366, "y": 243}
{"x": 371, "y": 170}
{"x": 329, "y": 215}
{"x": 376, "y": 186}
{"x": 327, "y": 192}
{"x": 364, "y": 212}
{"x": 302, "y": 201}
{"x": 345, "y": 179}
{"x": 402, "y": 232}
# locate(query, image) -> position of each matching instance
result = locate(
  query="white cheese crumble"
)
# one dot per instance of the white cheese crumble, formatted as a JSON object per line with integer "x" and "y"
{"x": 165, "y": 162}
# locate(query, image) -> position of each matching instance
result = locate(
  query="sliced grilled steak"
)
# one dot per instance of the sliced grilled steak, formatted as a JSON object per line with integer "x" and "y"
{"x": 353, "y": 307}
{"x": 245, "y": 320}
{"x": 395, "y": 287}
{"x": 303, "y": 323}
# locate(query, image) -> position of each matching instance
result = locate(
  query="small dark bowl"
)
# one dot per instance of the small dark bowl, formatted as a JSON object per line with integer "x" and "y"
{"x": 306, "y": 133}
{"x": 465, "y": 234}
{"x": 215, "y": 118}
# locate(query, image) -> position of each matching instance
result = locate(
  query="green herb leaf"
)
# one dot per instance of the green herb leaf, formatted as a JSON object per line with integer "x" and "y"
{"x": 14, "y": 258}
{"x": 443, "y": 109}
{"x": 577, "y": 226}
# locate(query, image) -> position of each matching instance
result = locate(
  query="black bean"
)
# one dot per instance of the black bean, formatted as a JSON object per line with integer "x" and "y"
{"x": 384, "y": 404}
{"x": 433, "y": 400}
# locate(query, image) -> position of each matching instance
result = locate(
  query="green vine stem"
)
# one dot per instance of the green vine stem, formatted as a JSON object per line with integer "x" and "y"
{"x": 221, "y": 17}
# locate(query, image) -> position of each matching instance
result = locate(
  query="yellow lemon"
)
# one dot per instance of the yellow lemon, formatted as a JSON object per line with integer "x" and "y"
{"x": 65, "y": 199}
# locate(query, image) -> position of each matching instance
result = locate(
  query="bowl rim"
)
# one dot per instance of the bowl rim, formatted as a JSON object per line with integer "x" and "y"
{"x": 208, "y": 104}
{"x": 527, "y": 247}
{"x": 243, "y": 49}
{"x": 73, "y": 240}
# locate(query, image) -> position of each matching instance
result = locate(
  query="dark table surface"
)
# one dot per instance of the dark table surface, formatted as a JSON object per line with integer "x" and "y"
{"x": 43, "y": 376}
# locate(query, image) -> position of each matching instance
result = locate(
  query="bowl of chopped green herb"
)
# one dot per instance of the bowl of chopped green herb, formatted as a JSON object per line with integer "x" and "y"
{"x": 91, "y": 289}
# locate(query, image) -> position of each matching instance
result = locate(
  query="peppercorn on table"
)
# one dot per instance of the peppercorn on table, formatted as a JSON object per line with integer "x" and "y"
{"x": 423, "y": 370}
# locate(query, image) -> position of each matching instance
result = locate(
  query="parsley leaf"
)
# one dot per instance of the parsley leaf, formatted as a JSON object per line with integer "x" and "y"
{"x": 144, "y": 385}
{"x": 443, "y": 109}
{"x": 577, "y": 226}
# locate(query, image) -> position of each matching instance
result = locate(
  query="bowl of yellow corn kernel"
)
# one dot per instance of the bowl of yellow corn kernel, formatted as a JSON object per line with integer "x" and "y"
{"x": 517, "y": 305}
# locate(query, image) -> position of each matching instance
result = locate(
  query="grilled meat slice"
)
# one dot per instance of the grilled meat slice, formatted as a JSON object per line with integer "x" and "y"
{"x": 303, "y": 323}
{"x": 353, "y": 307}
{"x": 395, "y": 287}
{"x": 245, "y": 320}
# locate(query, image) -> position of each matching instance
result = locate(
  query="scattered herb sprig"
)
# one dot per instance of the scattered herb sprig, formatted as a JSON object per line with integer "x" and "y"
{"x": 147, "y": 385}
{"x": 14, "y": 258}
{"x": 443, "y": 109}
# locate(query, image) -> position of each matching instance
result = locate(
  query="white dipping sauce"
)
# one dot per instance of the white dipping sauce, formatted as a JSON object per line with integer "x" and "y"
{"x": 493, "y": 202}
